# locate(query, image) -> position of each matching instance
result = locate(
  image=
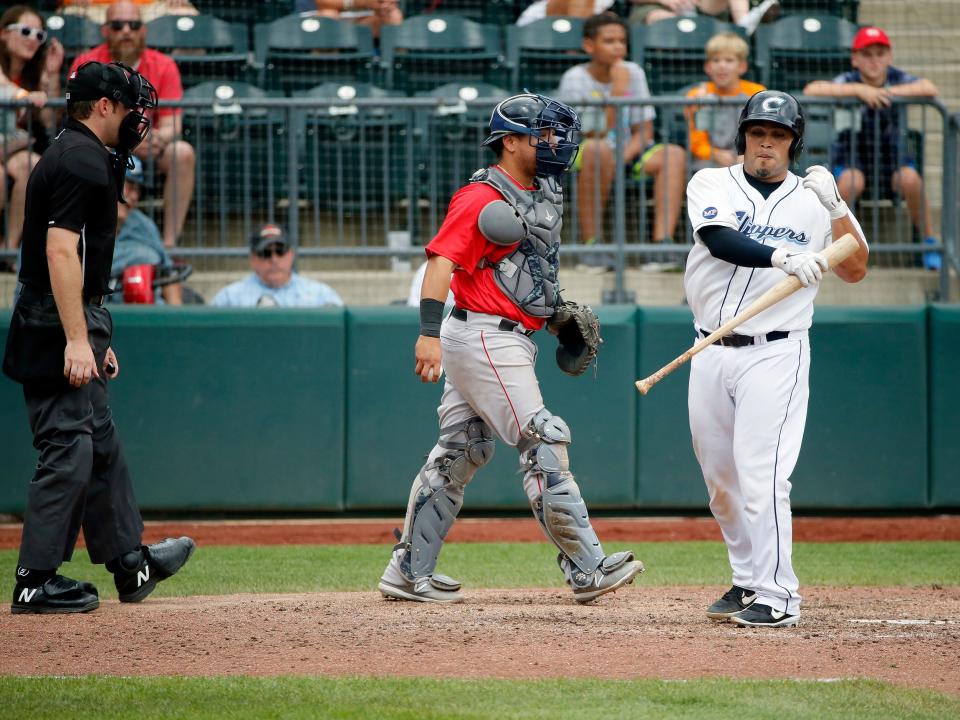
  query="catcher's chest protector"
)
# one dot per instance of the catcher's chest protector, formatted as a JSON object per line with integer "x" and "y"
{"x": 528, "y": 275}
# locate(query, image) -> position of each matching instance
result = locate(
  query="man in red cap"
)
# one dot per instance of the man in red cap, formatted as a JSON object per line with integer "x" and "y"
{"x": 875, "y": 142}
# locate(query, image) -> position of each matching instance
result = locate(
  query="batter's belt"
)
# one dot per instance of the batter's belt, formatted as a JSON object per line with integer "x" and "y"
{"x": 737, "y": 341}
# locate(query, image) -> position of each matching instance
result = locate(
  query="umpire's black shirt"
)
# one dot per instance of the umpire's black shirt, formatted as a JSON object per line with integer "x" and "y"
{"x": 72, "y": 187}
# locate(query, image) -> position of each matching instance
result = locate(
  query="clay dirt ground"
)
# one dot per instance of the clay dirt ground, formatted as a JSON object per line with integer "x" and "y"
{"x": 909, "y": 636}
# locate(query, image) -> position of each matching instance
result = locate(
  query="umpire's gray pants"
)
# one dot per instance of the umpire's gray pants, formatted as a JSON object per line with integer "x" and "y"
{"x": 81, "y": 477}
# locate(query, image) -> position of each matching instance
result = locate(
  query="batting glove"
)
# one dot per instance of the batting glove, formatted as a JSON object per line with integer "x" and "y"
{"x": 820, "y": 180}
{"x": 808, "y": 267}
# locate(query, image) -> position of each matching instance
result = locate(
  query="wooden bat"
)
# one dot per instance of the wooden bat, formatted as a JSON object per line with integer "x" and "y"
{"x": 835, "y": 253}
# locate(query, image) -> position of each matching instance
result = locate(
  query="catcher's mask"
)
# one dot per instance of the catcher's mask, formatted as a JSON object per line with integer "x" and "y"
{"x": 776, "y": 107}
{"x": 531, "y": 114}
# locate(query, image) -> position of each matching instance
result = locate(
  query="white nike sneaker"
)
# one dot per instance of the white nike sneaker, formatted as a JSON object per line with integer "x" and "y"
{"x": 766, "y": 11}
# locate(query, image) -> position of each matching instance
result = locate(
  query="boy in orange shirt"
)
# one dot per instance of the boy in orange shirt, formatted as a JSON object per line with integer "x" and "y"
{"x": 713, "y": 129}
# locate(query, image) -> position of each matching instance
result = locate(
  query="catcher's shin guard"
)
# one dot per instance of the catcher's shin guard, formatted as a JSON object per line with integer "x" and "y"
{"x": 437, "y": 494}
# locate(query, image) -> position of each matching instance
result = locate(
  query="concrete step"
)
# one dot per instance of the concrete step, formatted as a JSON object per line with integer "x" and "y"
{"x": 910, "y": 14}
{"x": 883, "y": 286}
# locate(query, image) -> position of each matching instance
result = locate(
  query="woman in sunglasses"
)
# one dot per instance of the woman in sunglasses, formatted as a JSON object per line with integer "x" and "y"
{"x": 29, "y": 69}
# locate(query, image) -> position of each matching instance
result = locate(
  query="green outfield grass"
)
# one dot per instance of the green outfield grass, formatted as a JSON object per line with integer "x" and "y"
{"x": 310, "y": 568}
{"x": 416, "y": 699}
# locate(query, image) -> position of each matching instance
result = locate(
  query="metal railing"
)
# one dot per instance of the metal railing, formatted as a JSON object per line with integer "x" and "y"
{"x": 365, "y": 180}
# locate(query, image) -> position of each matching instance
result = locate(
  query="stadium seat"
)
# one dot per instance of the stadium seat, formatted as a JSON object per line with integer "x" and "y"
{"x": 247, "y": 13}
{"x": 355, "y": 157}
{"x": 241, "y": 151}
{"x": 846, "y": 9}
{"x": 539, "y": 53}
{"x": 800, "y": 48}
{"x": 77, "y": 35}
{"x": 296, "y": 51}
{"x": 452, "y": 137}
{"x": 424, "y": 52}
{"x": 204, "y": 47}
{"x": 495, "y": 12}
{"x": 671, "y": 52}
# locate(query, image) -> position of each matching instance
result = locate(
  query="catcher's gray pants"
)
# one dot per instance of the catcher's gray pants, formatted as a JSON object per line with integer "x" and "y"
{"x": 81, "y": 478}
{"x": 489, "y": 373}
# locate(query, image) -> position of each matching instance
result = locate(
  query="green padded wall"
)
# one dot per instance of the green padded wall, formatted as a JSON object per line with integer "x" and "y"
{"x": 18, "y": 458}
{"x": 393, "y": 421}
{"x": 225, "y": 409}
{"x": 944, "y": 406}
{"x": 865, "y": 445}
{"x": 668, "y": 475}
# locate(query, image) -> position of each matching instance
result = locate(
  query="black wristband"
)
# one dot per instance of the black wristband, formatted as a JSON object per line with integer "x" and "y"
{"x": 431, "y": 315}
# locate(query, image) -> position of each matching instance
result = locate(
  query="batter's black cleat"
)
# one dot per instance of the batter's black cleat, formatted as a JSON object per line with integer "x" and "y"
{"x": 56, "y": 596}
{"x": 759, "y": 615}
{"x": 733, "y": 601}
{"x": 137, "y": 576}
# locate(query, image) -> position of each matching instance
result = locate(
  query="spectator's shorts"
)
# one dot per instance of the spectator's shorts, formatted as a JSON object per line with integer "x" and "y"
{"x": 633, "y": 169}
{"x": 870, "y": 160}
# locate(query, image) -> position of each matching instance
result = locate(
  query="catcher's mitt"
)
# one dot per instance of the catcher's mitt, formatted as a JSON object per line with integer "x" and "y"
{"x": 578, "y": 330}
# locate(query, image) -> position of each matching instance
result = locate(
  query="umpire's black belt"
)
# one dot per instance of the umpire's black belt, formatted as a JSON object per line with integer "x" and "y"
{"x": 745, "y": 340}
{"x": 505, "y": 325}
{"x": 35, "y": 296}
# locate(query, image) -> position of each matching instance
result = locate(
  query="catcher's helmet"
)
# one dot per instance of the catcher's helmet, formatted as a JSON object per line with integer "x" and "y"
{"x": 777, "y": 107}
{"x": 529, "y": 114}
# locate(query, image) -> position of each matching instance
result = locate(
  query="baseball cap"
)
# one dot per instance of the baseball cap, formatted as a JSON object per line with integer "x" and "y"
{"x": 870, "y": 36}
{"x": 267, "y": 235}
{"x": 135, "y": 174}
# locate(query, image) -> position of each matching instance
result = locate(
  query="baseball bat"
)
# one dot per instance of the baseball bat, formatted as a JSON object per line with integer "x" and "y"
{"x": 835, "y": 253}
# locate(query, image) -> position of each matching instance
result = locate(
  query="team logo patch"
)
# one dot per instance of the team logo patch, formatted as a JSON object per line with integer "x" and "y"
{"x": 710, "y": 213}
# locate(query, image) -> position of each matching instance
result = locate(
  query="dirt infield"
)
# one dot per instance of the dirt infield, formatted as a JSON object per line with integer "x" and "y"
{"x": 346, "y": 532}
{"x": 887, "y": 634}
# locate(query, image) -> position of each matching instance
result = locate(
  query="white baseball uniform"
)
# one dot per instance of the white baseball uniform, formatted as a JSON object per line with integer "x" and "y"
{"x": 748, "y": 404}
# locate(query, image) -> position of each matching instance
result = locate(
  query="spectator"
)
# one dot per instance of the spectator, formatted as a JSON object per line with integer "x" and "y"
{"x": 126, "y": 38}
{"x": 564, "y": 8}
{"x": 29, "y": 69}
{"x": 372, "y": 13}
{"x": 737, "y": 10}
{"x": 609, "y": 75}
{"x": 874, "y": 80}
{"x": 713, "y": 129}
{"x": 96, "y": 10}
{"x": 273, "y": 281}
{"x": 138, "y": 237}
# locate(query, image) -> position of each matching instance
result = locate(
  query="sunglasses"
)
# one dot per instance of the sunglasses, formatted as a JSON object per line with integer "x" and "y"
{"x": 271, "y": 250}
{"x": 28, "y": 31}
{"x": 118, "y": 25}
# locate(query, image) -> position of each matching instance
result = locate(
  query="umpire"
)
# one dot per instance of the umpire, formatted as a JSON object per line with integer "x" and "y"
{"x": 58, "y": 348}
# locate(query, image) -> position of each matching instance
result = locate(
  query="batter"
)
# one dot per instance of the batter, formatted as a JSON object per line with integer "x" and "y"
{"x": 499, "y": 243}
{"x": 748, "y": 392}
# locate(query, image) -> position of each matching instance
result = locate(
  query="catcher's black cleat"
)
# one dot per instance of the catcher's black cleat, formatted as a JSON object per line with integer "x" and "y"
{"x": 57, "y": 595}
{"x": 733, "y": 601}
{"x": 137, "y": 579}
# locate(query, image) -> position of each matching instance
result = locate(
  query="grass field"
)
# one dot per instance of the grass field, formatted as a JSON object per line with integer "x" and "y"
{"x": 415, "y": 698}
{"x": 313, "y": 568}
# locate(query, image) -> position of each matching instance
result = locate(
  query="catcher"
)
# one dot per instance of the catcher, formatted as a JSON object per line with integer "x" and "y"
{"x": 498, "y": 248}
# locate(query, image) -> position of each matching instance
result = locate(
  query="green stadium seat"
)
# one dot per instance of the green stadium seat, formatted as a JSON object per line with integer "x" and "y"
{"x": 355, "y": 157}
{"x": 204, "y": 47}
{"x": 247, "y": 13}
{"x": 800, "y": 48}
{"x": 241, "y": 151}
{"x": 671, "y": 52}
{"x": 296, "y": 51}
{"x": 539, "y": 53}
{"x": 424, "y": 52}
{"x": 77, "y": 35}
{"x": 452, "y": 135}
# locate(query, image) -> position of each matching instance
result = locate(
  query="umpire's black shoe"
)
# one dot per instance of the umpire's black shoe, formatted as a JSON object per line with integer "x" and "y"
{"x": 57, "y": 595}
{"x": 759, "y": 615}
{"x": 157, "y": 562}
{"x": 733, "y": 601}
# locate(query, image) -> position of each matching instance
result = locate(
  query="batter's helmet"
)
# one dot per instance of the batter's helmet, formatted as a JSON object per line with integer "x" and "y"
{"x": 777, "y": 107}
{"x": 529, "y": 114}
